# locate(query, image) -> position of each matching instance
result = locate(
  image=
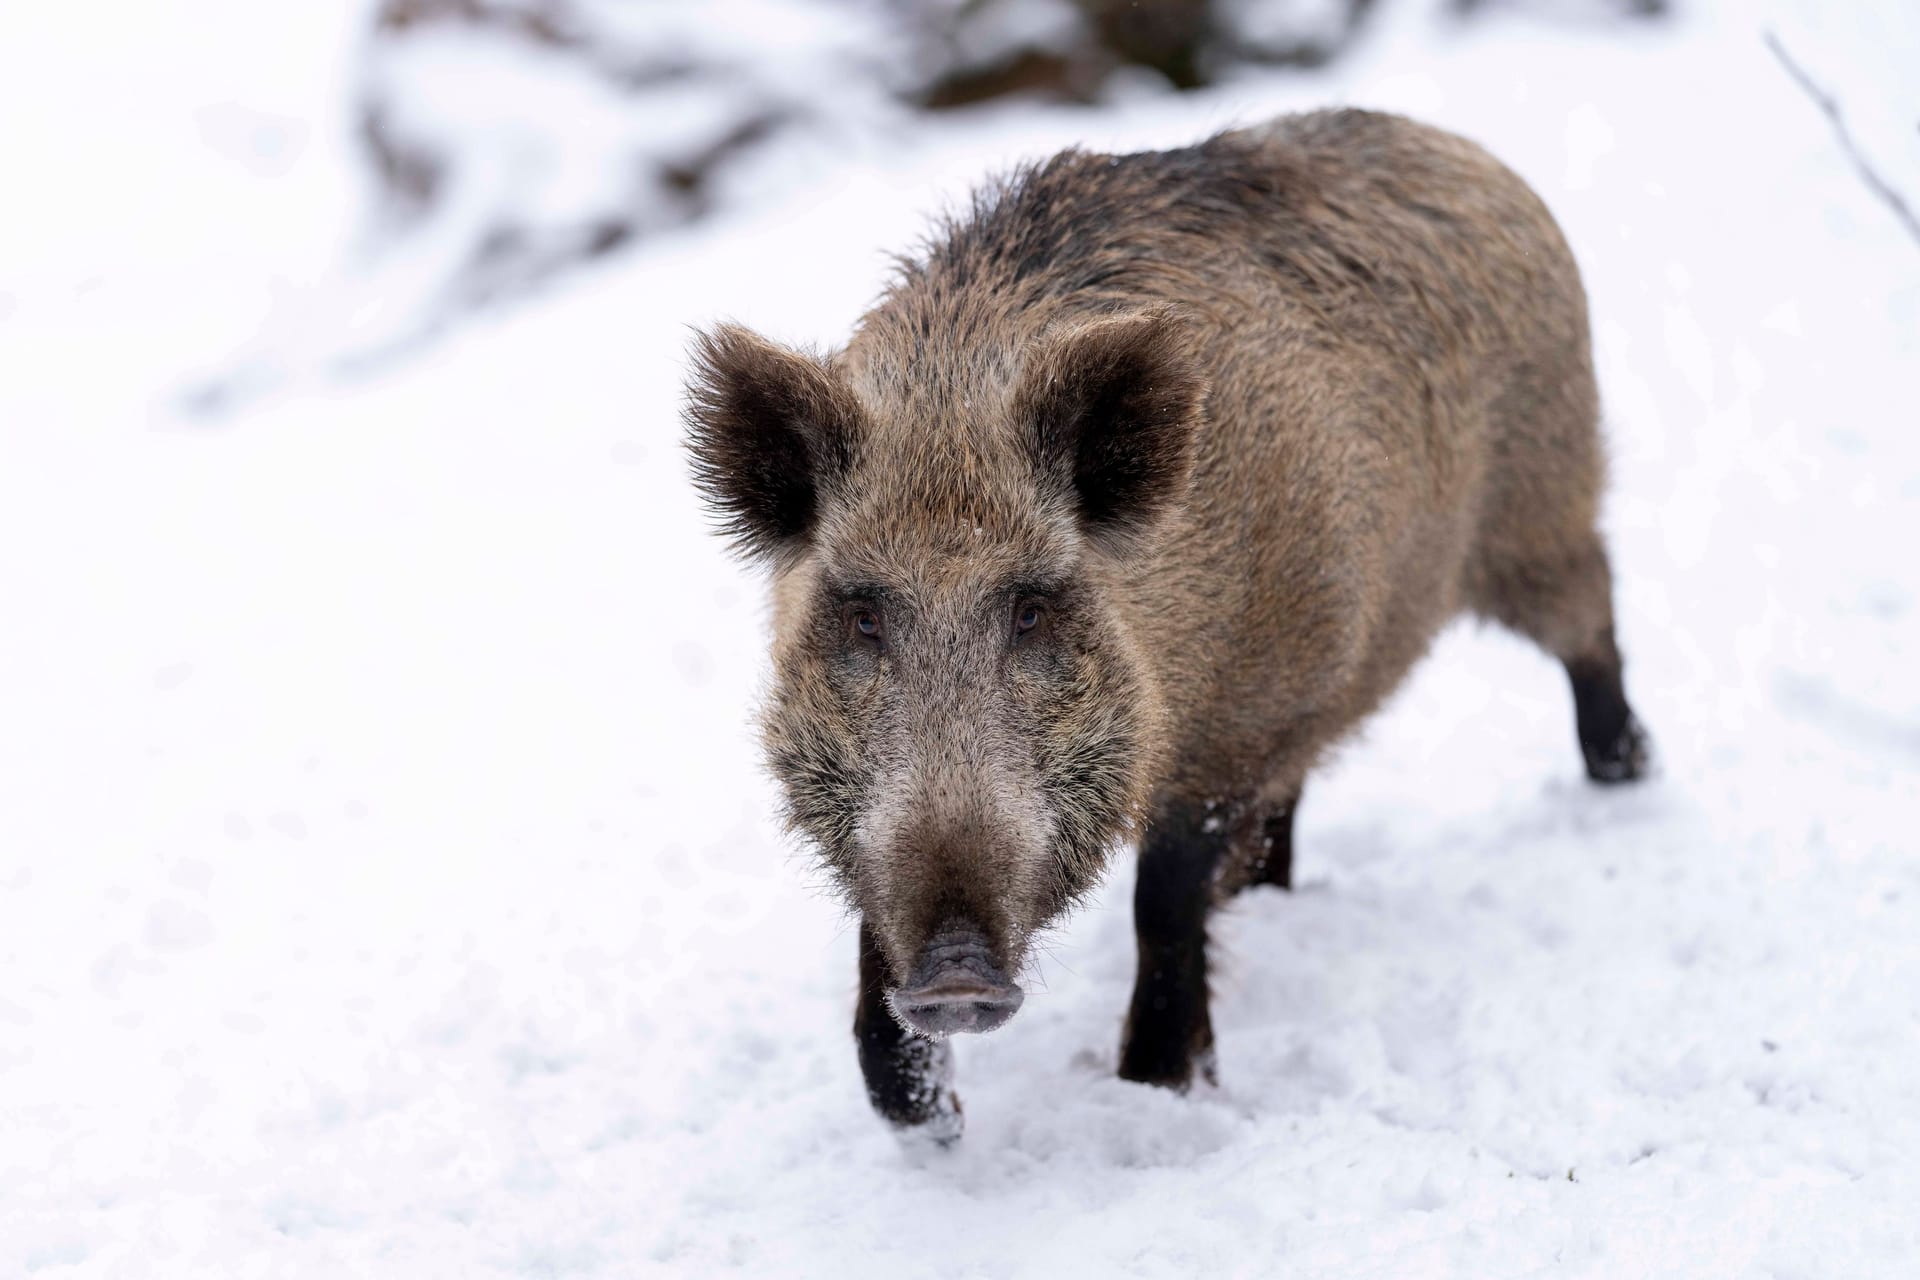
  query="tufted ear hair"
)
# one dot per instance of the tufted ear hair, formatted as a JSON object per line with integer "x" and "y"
{"x": 1113, "y": 408}
{"x": 770, "y": 431}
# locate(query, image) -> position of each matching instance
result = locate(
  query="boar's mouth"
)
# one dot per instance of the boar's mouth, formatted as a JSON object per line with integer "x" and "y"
{"x": 956, "y": 986}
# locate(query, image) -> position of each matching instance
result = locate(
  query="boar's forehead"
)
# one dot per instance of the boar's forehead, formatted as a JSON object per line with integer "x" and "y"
{"x": 945, "y": 513}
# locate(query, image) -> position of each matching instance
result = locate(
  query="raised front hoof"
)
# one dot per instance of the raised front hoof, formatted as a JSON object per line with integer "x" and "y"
{"x": 1623, "y": 758}
{"x": 910, "y": 1085}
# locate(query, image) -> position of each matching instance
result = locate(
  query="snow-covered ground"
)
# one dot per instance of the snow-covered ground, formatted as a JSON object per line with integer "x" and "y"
{"x": 388, "y": 885}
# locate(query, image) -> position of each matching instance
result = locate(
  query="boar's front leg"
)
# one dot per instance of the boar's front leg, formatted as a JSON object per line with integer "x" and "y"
{"x": 909, "y": 1078}
{"x": 1168, "y": 1031}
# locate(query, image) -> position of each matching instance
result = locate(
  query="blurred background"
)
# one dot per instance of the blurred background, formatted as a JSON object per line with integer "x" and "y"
{"x": 388, "y": 883}
{"x": 341, "y": 182}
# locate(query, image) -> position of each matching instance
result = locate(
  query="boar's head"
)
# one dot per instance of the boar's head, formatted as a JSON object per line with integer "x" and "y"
{"x": 961, "y": 715}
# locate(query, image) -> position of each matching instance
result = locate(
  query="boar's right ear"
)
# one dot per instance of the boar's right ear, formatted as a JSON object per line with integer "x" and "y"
{"x": 1113, "y": 408}
{"x": 769, "y": 430}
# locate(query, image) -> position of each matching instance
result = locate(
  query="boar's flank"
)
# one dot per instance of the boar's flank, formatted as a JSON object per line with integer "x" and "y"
{"x": 1141, "y": 486}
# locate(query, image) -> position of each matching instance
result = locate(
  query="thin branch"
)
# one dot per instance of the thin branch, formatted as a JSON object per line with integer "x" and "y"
{"x": 1830, "y": 107}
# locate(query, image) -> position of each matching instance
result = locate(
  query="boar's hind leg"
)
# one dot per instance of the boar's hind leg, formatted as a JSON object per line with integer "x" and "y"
{"x": 1566, "y": 605}
{"x": 1168, "y": 1031}
{"x": 909, "y": 1079}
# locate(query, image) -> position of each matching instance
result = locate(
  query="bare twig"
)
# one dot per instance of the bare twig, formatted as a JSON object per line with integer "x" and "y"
{"x": 1830, "y": 107}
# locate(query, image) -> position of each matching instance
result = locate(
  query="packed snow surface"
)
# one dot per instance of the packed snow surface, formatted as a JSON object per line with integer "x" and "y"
{"x": 388, "y": 885}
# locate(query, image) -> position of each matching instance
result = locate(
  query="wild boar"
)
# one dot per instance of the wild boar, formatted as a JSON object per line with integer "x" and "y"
{"x": 1141, "y": 486}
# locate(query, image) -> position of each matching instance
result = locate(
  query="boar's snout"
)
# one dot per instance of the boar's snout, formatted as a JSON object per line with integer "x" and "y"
{"x": 956, "y": 986}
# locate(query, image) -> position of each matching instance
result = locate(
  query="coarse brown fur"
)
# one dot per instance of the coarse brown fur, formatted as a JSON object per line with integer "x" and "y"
{"x": 1243, "y": 424}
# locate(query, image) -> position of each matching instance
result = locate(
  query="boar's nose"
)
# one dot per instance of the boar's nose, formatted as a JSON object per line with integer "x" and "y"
{"x": 956, "y": 987}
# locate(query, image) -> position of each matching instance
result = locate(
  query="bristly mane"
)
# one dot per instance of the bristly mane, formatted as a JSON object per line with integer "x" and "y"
{"x": 1087, "y": 234}
{"x": 1080, "y": 220}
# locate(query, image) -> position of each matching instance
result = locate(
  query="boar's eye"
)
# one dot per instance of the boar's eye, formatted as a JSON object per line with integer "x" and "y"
{"x": 1026, "y": 619}
{"x": 865, "y": 623}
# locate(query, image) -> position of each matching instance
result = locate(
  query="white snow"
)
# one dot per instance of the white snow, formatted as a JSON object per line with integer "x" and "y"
{"x": 388, "y": 884}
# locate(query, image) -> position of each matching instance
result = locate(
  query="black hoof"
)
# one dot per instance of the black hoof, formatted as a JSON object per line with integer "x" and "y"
{"x": 1620, "y": 758}
{"x": 1611, "y": 739}
{"x": 1168, "y": 1061}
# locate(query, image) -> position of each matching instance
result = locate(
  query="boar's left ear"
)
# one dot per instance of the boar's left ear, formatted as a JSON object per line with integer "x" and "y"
{"x": 1113, "y": 408}
{"x": 770, "y": 432}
